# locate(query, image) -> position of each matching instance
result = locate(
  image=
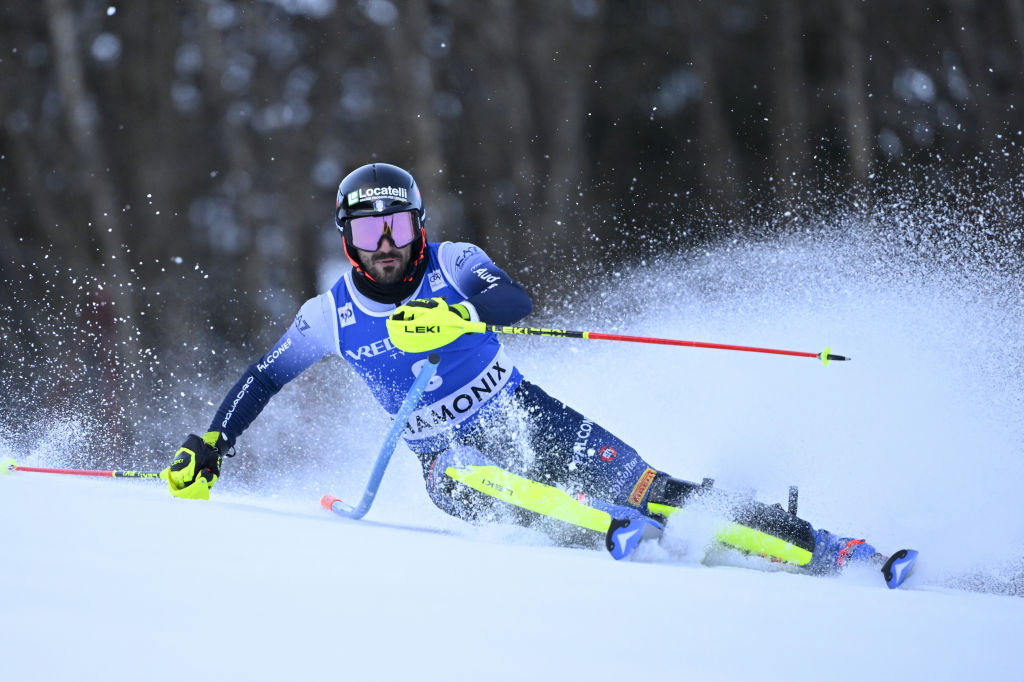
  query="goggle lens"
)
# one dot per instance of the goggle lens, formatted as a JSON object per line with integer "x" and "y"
{"x": 368, "y": 230}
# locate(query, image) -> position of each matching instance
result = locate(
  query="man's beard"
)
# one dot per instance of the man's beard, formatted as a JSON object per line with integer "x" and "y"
{"x": 390, "y": 274}
{"x": 391, "y": 285}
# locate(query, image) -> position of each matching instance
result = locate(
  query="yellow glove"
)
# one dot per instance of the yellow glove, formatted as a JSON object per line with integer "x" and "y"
{"x": 196, "y": 466}
{"x": 423, "y": 325}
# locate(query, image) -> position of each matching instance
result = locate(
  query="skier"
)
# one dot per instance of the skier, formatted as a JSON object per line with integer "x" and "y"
{"x": 492, "y": 444}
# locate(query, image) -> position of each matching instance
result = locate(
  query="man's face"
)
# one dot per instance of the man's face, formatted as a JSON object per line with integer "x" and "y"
{"x": 387, "y": 264}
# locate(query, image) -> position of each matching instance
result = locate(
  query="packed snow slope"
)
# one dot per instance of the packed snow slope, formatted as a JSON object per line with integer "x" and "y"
{"x": 914, "y": 443}
{"x": 110, "y": 580}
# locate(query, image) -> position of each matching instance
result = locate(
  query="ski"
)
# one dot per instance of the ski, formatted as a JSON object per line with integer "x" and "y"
{"x": 531, "y": 495}
{"x": 626, "y": 529}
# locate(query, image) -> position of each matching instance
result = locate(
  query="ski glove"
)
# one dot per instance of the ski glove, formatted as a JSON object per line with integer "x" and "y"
{"x": 196, "y": 466}
{"x": 425, "y": 324}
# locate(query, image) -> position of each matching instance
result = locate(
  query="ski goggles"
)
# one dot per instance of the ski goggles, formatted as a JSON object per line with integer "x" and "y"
{"x": 366, "y": 232}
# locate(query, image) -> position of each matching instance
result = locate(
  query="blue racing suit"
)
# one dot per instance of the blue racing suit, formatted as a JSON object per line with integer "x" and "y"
{"x": 477, "y": 409}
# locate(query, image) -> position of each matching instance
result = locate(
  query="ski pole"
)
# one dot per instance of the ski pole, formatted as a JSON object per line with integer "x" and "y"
{"x": 825, "y": 356}
{"x": 7, "y": 465}
{"x": 410, "y": 403}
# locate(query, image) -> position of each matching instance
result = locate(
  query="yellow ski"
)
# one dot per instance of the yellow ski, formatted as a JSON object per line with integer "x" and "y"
{"x": 531, "y": 495}
{"x": 558, "y": 504}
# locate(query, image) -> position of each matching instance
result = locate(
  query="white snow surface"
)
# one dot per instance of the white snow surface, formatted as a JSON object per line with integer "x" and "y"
{"x": 114, "y": 580}
{"x": 914, "y": 443}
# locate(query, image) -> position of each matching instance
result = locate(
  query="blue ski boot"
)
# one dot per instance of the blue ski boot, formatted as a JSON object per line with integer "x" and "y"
{"x": 624, "y": 535}
{"x": 833, "y": 553}
{"x": 898, "y": 567}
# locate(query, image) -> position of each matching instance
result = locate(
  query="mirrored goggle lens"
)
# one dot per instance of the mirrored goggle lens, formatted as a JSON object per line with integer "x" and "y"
{"x": 367, "y": 231}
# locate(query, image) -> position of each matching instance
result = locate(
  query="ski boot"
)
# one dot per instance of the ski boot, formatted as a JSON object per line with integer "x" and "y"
{"x": 625, "y": 534}
{"x": 898, "y": 567}
{"x": 833, "y": 553}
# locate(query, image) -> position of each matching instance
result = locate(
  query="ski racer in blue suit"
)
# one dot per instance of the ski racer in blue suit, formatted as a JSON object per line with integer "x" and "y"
{"x": 478, "y": 409}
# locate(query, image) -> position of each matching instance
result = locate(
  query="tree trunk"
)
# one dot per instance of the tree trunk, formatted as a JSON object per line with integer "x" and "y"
{"x": 494, "y": 145}
{"x": 714, "y": 141}
{"x": 81, "y": 118}
{"x": 562, "y": 73}
{"x": 788, "y": 120}
{"x": 973, "y": 46}
{"x": 414, "y": 79}
{"x": 856, "y": 115}
{"x": 1016, "y": 12}
{"x": 235, "y": 150}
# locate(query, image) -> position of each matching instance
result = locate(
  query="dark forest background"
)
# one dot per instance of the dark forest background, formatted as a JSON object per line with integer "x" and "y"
{"x": 168, "y": 169}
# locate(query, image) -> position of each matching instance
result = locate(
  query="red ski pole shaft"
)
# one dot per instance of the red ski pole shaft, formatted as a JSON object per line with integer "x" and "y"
{"x": 825, "y": 356}
{"x": 11, "y": 466}
{"x": 703, "y": 344}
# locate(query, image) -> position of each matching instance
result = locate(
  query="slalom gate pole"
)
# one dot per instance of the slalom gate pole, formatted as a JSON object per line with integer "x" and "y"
{"x": 825, "y": 356}
{"x": 410, "y": 403}
{"x": 8, "y": 465}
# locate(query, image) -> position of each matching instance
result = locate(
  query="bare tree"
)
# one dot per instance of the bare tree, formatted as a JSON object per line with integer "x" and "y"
{"x": 720, "y": 158}
{"x": 789, "y": 112}
{"x": 116, "y": 333}
{"x": 563, "y": 50}
{"x": 856, "y": 115}
{"x": 220, "y": 134}
{"x": 413, "y": 76}
{"x": 1015, "y": 8}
